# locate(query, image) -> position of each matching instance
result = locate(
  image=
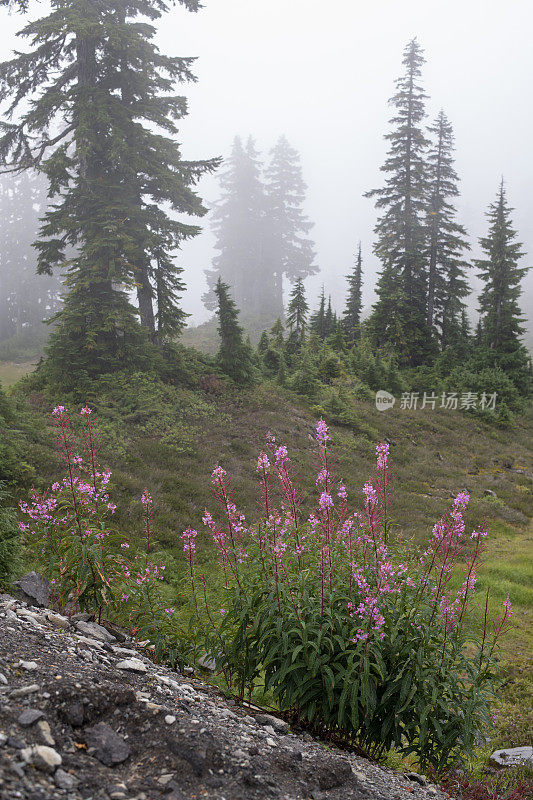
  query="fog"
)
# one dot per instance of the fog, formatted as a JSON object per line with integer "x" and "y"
{"x": 322, "y": 73}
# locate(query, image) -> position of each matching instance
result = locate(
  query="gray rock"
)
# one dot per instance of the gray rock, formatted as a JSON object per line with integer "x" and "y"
{"x": 24, "y": 691}
{"x": 30, "y": 666}
{"x": 3, "y": 679}
{"x": 206, "y": 662}
{"x": 44, "y": 729}
{"x": 279, "y": 725}
{"x": 132, "y": 665}
{"x": 109, "y": 747}
{"x": 29, "y": 717}
{"x": 58, "y": 621}
{"x": 3, "y": 740}
{"x": 414, "y": 776}
{"x": 33, "y": 589}
{"x": 512, "y": 757}
{"x": 64, "y": 780}
{"x": 44, "y": 758}
{"x": 95, "y": 631}
{"x": 170, "y": 719}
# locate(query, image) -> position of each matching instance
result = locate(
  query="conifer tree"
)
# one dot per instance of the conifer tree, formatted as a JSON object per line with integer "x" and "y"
{"x": 277, "y": 331}
{"x": 352, "y": 313}
{"x": 94, "y": 102}
{"x": 288, "y": 251}
{"x": 318, "y": 319}
{"x": 330, "y": 320}
{"x": 234, "y": 355}
{"x": 298, "y": 310}
{"x": 238, "y": 223}
{"x": 501, "y": 317}
{"x": 399, "y": 315}
{"x": 447, "y": 284}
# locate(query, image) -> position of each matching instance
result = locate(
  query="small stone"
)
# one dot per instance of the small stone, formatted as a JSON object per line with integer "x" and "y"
{"x": 512, "y": 756}
{"x": 95, "y": 631}
{"x": 271, "y": 742}
{"x": 3, "y": 740}
{"x": 44, "y": 758}
{"x": 3, "y": 679}
{"x": 132, "y": 664}
{"x": 64, "y": 780}
{"x": 206, "y": 662}
{"x": 153, "y": 707}
{"x": 58, "y": 621}
{"x": 279, "y": 725}
{"x": 44, "y": 729}
{"x": 164, "y": 779}
{"x": 414, "y": 776}
{"x": 24, "y": 691}
{"x": 30, "y": 666}
{"x": 109, "y": 747}
{"x": 359, "y": 775}
{"x": 29, "y": 716}
{"x": 170, "y": 719}
{"x": 240, "y": 754}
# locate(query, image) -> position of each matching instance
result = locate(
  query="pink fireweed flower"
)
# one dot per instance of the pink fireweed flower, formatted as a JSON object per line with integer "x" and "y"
{"x": 86, "y": 411}
{"x": 369, "y": 492}
{"x": 322, "y": 476}
{"x": 59, "y": 411}
{"x": 461, "y": 501}
{"x": 169, "y": 611}
{"x": 322, "y": 433}
{"x": 146, "y": 498}
{"x": 125, "y": 597}
{"x": 281, "y": 455}
{"x": 507, "y": 607}
{"x": 188, "y": 536}
{"x": 478, "y": 534}
{"x": 262, "y": 462}
{"x": 325, "y": 502}
{"x": 342, "y": 492}
{"x": 222, "y": 611}
{"x": 218, "y": 474}
{"x": 125, "y": 545}
{"x": 382, "y": 453}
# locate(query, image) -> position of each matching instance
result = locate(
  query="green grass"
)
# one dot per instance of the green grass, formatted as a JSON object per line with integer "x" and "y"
{"x": 11, "y": 372}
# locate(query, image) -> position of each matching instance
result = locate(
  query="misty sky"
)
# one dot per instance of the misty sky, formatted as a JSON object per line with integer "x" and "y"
{"x": 321, "y": 73}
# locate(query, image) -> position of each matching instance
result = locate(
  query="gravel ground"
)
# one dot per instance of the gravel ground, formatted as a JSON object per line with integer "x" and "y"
{"x": 83, "y": 715}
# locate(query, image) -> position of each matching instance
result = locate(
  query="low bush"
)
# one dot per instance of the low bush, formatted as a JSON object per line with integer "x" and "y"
{"x": 353, "y": 633}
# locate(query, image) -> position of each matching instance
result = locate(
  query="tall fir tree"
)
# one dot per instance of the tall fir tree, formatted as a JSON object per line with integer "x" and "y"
{"x": 501, "y": 317}
{"x": 288, "y": 250}
{"x": 447, "y": 283}
{"x": 238, "y": 222}
{"x": 235, "y": 356}
{"x": 317, "y": 323}
{"x": 351, "y": 319}
{"x": 94, "y": 102}
{"x": 26, "y": 299}
{"x": 399, "y": 315}
{"x": 298, "y": 310}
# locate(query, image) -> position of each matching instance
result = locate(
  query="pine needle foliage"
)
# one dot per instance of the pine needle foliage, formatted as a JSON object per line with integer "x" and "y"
{"x": 94, "y": 110}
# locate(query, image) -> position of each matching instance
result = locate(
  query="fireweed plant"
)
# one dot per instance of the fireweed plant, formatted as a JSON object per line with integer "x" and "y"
{"x": 352, "y": 634}
{"x": 75, "y": 544}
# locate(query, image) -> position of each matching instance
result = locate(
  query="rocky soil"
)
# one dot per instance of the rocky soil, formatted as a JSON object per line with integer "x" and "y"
{"x": 83, "y": 715}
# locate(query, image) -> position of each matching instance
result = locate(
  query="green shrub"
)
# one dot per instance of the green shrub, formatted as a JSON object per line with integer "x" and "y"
{"x": 350, "y": 632}
{"x": 10, "y": 550}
